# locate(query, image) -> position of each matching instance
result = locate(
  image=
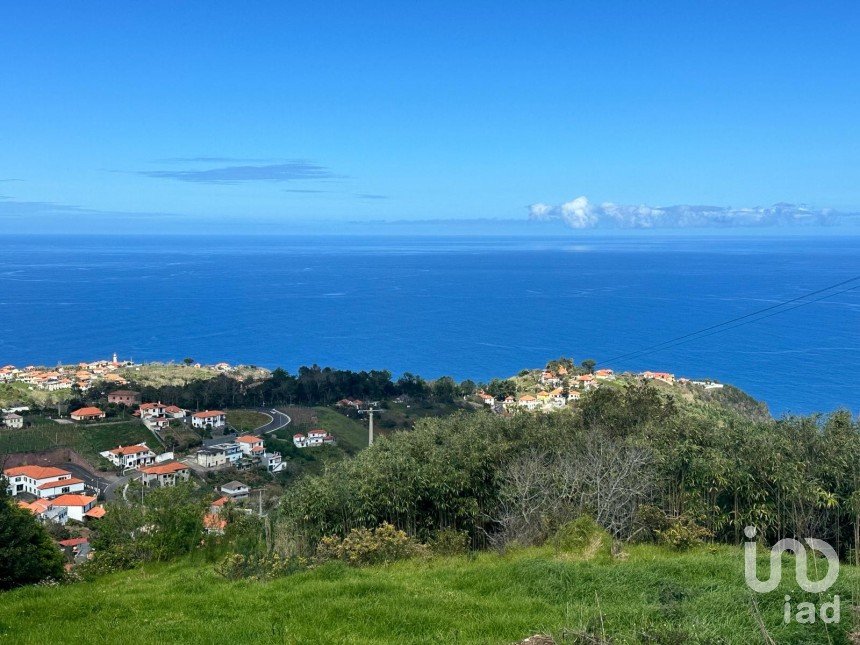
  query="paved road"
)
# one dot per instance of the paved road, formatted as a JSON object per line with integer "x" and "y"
{"x": 278, "y": 420}
{"x": 90, "y": 479}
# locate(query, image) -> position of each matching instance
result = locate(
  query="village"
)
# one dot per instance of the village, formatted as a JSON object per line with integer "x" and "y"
{"x": 73, "y": 495}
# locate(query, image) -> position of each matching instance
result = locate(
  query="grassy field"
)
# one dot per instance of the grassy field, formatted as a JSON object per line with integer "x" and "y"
{"x": 351, "y": 434}
{"x": 652, "y": 596}
{"x": 246, "y": 420}
{"x": 86, "y": 439}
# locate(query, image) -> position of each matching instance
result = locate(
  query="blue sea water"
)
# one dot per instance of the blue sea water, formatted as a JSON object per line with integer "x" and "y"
{"x": 470, "y": 307}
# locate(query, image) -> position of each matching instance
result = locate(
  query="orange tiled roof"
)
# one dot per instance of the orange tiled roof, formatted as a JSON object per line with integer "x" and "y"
{"x": 96, "y": 512}
{"x": 248, "y": 438}
{"x": 36, "y": 472}
{"x": 164, "y": 469}
{"x": 61, "y": 482}
{"x": 86, "y": 412}
{"x": 208, "y": 413}
{"x": 130, "y": 450}
{"x": 73, "y": 500}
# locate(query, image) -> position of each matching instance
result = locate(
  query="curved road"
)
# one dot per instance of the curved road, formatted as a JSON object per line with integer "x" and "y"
{"x": 278, "y": 420}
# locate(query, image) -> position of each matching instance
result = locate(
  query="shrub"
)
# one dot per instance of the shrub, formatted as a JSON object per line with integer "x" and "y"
{"x": 449, "y": 542}
{"x": 238, "y": 566}
{"x": 582, "y": 536}
{"x": 369, "y": 546}
{"x": 683, "y": 533}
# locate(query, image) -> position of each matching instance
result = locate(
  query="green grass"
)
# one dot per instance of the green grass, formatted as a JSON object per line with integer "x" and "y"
{"x": 351, "y": 435}
{"x": 651, "y": 596}
{"x": 86, "y": 439}
{"x": 247, "y": 420}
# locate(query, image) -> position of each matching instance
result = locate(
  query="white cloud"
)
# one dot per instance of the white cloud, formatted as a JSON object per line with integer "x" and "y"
{"x": 579, "y": 213}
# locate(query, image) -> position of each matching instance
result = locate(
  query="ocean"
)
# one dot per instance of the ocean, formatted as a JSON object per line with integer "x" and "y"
{"x": 469, "y": 307}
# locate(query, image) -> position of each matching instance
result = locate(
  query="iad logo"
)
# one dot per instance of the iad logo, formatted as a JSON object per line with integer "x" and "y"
{"x": 829, "y": 611}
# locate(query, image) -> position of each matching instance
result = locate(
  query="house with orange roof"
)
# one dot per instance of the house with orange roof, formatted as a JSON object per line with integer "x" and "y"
{"x": 527, "y": 402}
{"x": 45, "y": 511}
{"x": 130, "y": 456}
{"x": 76, "y": 505}
{"x": 548, "y": 377}
{"x": 214, "y": 524}
{"x": 41, "y": 481}
{"x": 88, "y": 414}
{"x": 487, "y": 399}
{"x": 666, "y": 377}
{"x": 166, "y": 474}
{"x": 574, "y": 395}
{"x": 250, "y": 445}
{"x": 604, "y": 374}
{"x": 150, "y": 410}
{"x": 209, "y": 419}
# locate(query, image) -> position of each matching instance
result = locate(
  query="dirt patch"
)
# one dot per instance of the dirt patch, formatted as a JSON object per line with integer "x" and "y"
{"x": 45, "y": 458}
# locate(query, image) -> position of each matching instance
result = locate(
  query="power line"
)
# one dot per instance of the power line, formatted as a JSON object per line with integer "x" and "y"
{"x": 674, "y": 341}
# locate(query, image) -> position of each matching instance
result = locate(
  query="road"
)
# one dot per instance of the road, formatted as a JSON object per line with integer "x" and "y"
{"x": 278, "y": 420}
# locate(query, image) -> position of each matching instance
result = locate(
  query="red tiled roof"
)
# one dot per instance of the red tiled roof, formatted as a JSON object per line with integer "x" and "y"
{"x": 74, "y": 541}
{"x": 73, "y": 500}
{"x": 248, "y": 438}
{"x": 208, "y": 413}
{"x": 96, "y": 512}
{"x": 87, "y": 412}
{"x": 130, "y": 450}
{"x": 164, "y": 469}
{"x": 61, "y": 482}
{"x": 35, "y": 472}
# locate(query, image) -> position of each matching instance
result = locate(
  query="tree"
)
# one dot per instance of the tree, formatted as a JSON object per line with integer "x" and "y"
{"x": 27, "y": 554}
{"x": 188, "y": 360}
{"x": 588, "y": 365}
{"x": 501, "y": 388}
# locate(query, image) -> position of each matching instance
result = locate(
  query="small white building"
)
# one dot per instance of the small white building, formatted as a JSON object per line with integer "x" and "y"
{"x": 528, "y": 402}
{"x": 251, "y": 445}
{"x": 77, "y": 506}
{"x": 12, "y": 420}
{"x": 219, "y": 455}
{"x": 209, "y": 419}
{"x": 236, "y": 490}
{"x": 130, "y": 456}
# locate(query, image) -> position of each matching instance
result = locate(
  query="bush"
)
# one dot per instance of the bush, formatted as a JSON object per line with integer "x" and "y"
{"x": 237, "y": 566}
{"x": 369, "y": 546}
{"x": 449, "y": 542}
{"x": 683, "y": 533}
{"x": 584, "y": 537}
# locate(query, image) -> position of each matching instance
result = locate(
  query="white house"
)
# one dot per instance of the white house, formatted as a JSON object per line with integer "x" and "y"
{"x": 41, "y": 481}
{"x": 251, "y": 445}
{"x": 666, "y": 377}
{"x": 209, "y": 419}
{"x": 43, "y": 510}
{"x": 77, "y": 506}
{"x": 235, "y": 490}
{"x": 151, "y": 410}
{"x": 130, "y": 456}
{"x": 273, "y": 462}
{"x": 318, "y": 436}
{"x": 488, "y": 399}
{"x": 166, "y": 474}
{"x": 12, "y": 420}
{"x": 604, "y": 374}
{"x": 528, "y": 402}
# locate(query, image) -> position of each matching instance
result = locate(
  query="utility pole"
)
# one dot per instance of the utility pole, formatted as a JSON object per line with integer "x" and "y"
{"x": 369, "y": 411}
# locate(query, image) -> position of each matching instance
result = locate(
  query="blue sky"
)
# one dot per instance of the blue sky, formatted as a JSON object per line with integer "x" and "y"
{"x": 124, "y": 114}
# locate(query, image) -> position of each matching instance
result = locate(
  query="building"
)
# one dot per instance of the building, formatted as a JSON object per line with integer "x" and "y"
{"x": 209, "y": 419}
{"x": 487, "y": 399}
{"x": 77, "y": 506}
{"x": 130, "y": 456}
{"x": 528, "y": 402}
{"x": 250, "y": 445}
{"x": 124, "y": 397}
{"x": 87, "y": 414}
{"x": 659, "y": 376}
{"x": 273, "y": 462}
{"x": 151, "y": 410}
{"x": 236, "y": 490}
{"x": 318, "y": 437}
{"x": 167, "y": 474}
{"x": 41, "y": 481}
{"x": 220, "y": 454}
{"x": 605, "y": 374}
{"x": 574, "y": 395}
{"x": 12, "y": 420}
{"x": 175, "y": 412}
{"x": 43, "y": 510}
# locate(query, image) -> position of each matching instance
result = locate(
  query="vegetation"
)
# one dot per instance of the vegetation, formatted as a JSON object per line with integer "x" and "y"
{"x": 649, "y": 594}
{"x": 27, "y": 553}
{"x": 246, "y": 420}
{"x": 88, "y": 440}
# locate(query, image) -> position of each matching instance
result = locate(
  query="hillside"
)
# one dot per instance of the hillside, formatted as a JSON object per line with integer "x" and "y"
{"x": 648, "y": 595}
